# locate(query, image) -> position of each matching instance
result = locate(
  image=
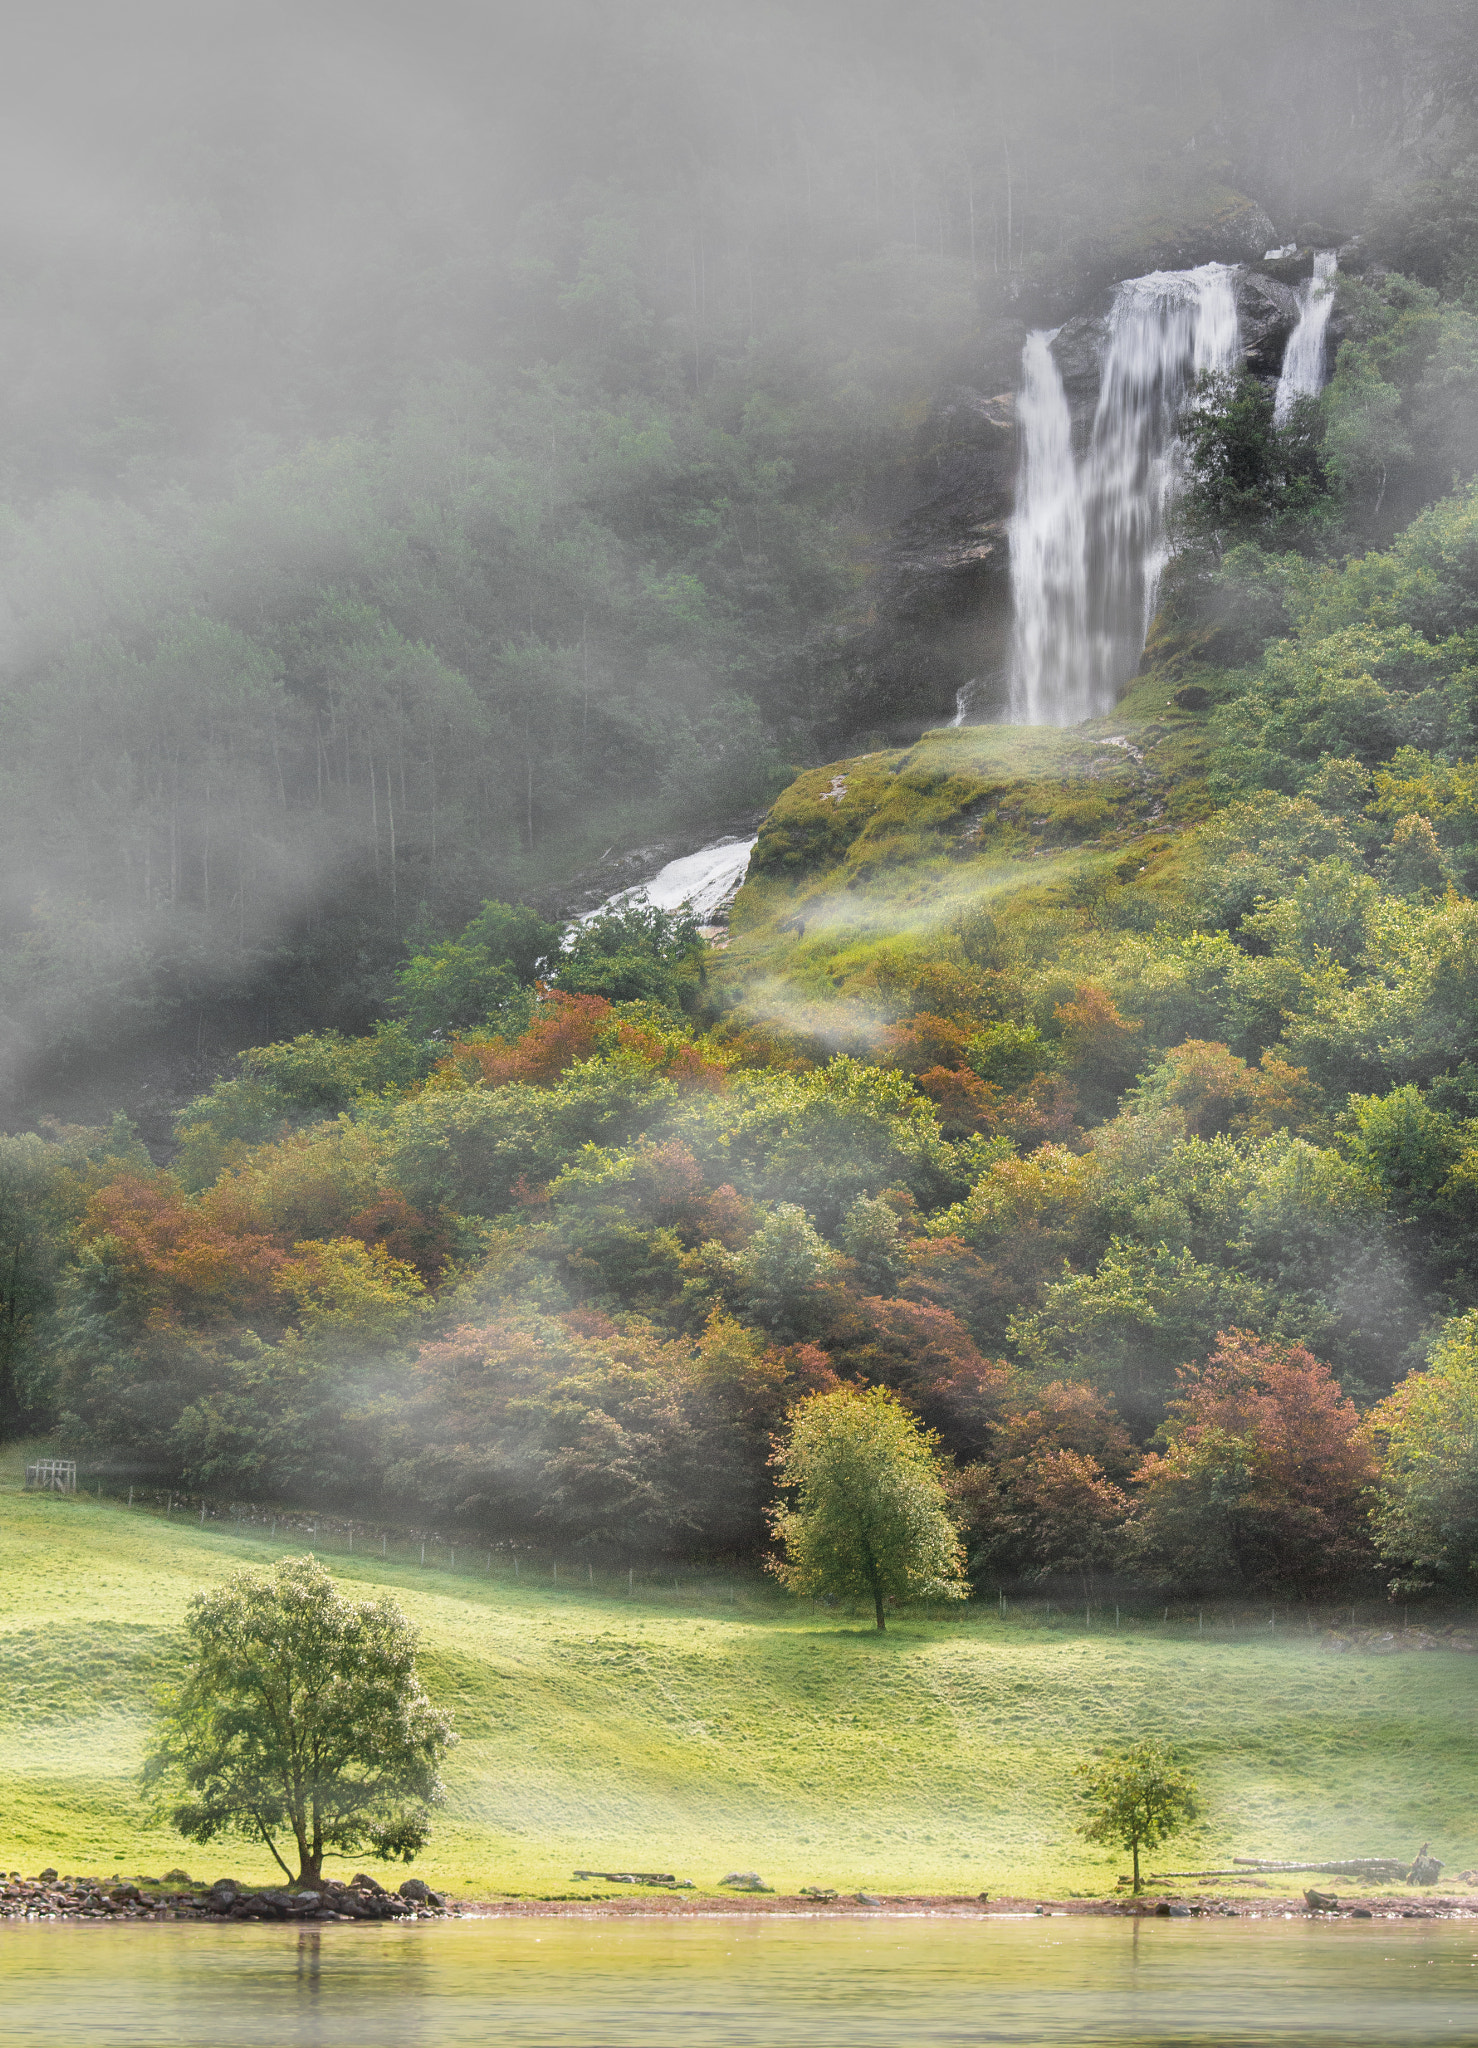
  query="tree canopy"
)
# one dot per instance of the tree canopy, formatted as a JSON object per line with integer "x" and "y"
{"x": 870, "y": 1518}
{"x": 301, "y": 1721}
{"x": 1137, "y": 1799}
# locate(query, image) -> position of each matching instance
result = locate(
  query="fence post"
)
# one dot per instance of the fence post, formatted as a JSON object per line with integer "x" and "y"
{"x": 423, "y": 1550}
{"x": 130, "y": 1496}
{"x": 630, "y": 1579}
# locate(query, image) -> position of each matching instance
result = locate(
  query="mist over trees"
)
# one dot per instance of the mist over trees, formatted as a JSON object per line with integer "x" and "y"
{"x": 442, "y": 450}
{"x": 435, "y": 448}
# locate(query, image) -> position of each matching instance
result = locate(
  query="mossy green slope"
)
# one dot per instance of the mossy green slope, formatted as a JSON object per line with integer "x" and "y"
{"x": 606, "y": 1733}
{"x": 865, "y": 862}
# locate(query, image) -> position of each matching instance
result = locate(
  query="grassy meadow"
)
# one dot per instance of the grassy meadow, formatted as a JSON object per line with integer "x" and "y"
{"x": 702, "y": 1735}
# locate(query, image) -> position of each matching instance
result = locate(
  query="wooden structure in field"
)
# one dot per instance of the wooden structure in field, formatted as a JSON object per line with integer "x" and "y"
{"x": 52, "y": 1475}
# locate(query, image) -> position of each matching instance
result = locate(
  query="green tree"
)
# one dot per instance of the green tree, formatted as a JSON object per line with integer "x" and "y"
{"x": 300, "y": 1714}
{"x": 1137, "y": 1799}
{"x": 870, "y": 1519}
{"x": 1426, "y": 1512}
{"x": 473, "y": 979}
{"x": 782, "y": 1266}
{"x": 638, "y": 954}
{"x": 1249, "y": 475}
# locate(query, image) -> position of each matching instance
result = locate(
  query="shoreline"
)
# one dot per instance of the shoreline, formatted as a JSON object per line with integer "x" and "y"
{"x": 87, "y": 1901}
{"x": 947, "y": 1906}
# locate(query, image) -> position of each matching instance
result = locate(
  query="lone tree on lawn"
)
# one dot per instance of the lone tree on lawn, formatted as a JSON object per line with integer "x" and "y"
{"x": 869, "y": 1519}
{"x": 301, "y": 1714}
{"x": 1138, "y": 1799}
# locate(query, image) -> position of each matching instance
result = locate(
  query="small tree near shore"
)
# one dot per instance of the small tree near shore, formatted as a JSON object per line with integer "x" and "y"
{"x": 870, "y": 1518}
{"x": 300, "y": 1715}
{"x": 1137, "y": 1799}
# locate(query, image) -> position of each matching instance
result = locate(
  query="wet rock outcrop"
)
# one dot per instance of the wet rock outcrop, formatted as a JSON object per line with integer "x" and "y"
{"x": 939, "y": 605}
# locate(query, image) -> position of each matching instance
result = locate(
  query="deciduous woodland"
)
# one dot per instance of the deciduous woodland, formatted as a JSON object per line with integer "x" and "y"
{"x": 1109, "y": 1096}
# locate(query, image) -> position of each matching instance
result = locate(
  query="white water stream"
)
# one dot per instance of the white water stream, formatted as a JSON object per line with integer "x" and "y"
{"x": 705, "y": 882}
{"x": 1088, "y": 535}
{"x": 1303, "y": 359}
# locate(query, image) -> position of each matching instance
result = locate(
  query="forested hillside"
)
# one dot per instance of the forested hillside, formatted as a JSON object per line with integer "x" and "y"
{"x": 433, "y": 456}
{"x": 1110, "y": 1094}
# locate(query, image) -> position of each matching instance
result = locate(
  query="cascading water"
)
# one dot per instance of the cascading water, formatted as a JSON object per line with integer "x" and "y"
{"x": 1303, "y": 359}
{"x": 1088, "y": 537}
{"x": 1049, "y": 562}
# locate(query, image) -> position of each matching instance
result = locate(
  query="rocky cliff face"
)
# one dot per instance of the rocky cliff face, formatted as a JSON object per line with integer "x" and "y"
{"x": 940, "y": 599}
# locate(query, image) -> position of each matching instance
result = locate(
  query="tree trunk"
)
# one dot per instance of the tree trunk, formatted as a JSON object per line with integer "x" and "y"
{"x": 1135, "y": 1846}
{"x": 877, "y": 1601}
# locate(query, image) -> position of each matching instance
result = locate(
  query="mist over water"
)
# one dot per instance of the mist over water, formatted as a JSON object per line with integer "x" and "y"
{"x": 1088, "y": 536}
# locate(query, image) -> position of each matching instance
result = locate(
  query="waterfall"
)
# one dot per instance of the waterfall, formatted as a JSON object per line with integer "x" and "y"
{"x": 1049, "y": 564}
{"x": 1088, "y": 536}
{"x": 1303, "y": 359}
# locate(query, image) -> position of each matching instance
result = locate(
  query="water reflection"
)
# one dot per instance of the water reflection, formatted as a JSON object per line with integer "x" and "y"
{"x": 745, "y": 1984}
{"x": 310, "y": 1958}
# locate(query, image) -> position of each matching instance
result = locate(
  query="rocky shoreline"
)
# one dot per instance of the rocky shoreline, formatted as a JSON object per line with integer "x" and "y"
{"x": 99, "y": 1900}
{"x": 49, "y": 1897}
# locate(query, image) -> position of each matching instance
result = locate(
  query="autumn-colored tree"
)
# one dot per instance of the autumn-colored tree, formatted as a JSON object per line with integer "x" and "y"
{"x": 1264, "y": 1475}
{"x": 1045, "y": 1111}
{"x": 923, "y": 1041}
{"x": 926, "y": 1355}
{"x": 157, "y": 1257}
{"x": 426, "y": 1243}
{"x": 1215, "y": 1091}
{"x": 965, "y": 1103}
{"x": 1098, "y": 1046}
{"x": 565, "y": 1029}
{"x": 1047, "y": 1500}
{"x": 668, "y": 1189}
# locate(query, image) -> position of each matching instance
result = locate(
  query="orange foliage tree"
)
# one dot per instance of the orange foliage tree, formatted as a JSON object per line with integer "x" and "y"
{"x": 1265, "y": 1476}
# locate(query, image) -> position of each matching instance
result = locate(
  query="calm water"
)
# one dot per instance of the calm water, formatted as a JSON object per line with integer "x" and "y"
{"x": 785, "y": 1984}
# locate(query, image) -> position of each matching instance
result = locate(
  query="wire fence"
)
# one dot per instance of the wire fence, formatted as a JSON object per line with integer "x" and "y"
{"x": 1435, "y": 1622}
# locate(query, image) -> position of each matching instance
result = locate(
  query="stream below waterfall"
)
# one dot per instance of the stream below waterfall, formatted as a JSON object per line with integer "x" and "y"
{"x": 705, "y": 883}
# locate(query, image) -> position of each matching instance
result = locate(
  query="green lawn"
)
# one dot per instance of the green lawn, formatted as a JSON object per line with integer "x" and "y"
{"x": 606, "y": 1732}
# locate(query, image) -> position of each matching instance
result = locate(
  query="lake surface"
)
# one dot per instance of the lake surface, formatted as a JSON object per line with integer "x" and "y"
{"x": 740, "y": 1984}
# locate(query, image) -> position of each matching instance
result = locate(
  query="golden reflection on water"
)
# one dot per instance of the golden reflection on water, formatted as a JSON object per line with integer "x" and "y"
{"x": 742, "y": 1983}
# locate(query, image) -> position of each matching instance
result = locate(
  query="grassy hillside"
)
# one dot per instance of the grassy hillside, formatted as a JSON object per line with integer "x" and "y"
{"x": 597, "y": 1730}
{"x": 861, "y": 865}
